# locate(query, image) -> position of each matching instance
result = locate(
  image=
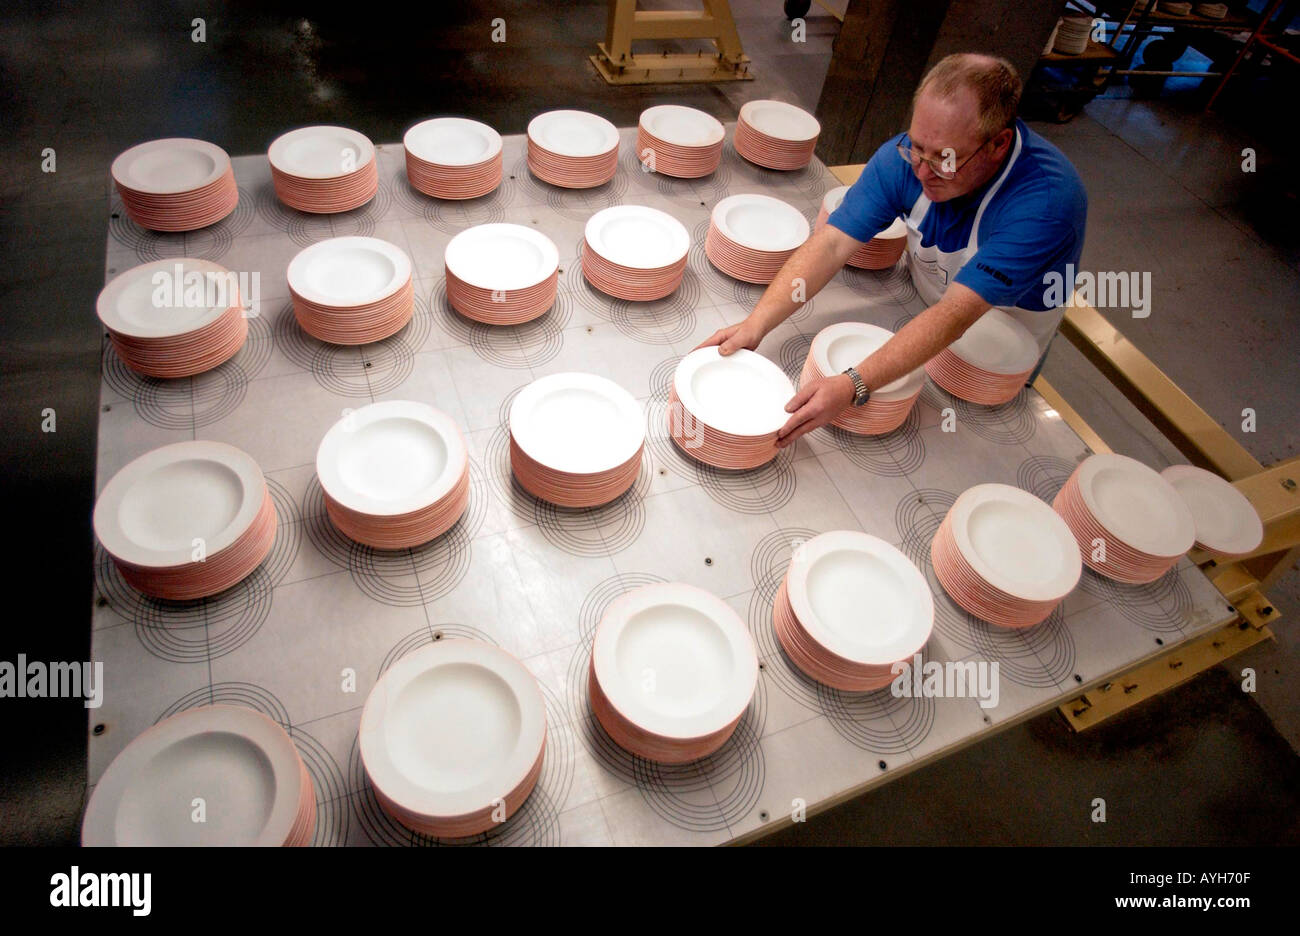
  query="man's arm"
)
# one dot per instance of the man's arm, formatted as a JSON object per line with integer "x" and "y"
{"x": 815, "y": 262}
{"x": 820, "y": 401}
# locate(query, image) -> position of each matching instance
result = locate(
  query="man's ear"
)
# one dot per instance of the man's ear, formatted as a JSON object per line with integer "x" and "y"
{"x": 1003, "y": 140}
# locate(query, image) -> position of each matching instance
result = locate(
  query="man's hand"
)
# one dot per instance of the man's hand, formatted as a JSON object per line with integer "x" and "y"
{"x": 734, "y": 337}
{"x": 816, "y": 404}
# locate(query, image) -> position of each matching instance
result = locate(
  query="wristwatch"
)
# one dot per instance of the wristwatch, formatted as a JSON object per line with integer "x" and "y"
{"x": 860, "y": 392}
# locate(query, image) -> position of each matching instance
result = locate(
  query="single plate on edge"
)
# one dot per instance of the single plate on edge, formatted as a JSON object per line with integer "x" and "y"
{"x": 742, "y": 394}
{"x": 675, "y": 660}
{"x": 1225, "y": 519}
{"x": 349, "y": 271}
{"x": 391, "y": 458}
{"x": 577, "y": 423}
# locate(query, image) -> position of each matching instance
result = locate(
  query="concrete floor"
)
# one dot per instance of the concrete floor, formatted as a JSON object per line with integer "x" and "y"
{"x": 1204, "y": 764}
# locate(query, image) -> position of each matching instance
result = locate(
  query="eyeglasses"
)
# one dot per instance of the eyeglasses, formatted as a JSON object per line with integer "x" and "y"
{"x": 914, "y": 159}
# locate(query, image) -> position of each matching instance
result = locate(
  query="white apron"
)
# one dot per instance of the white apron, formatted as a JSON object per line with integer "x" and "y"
{"x": 933, "y": 269}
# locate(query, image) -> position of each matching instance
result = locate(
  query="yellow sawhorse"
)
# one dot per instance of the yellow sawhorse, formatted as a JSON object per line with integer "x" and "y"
{"x": 617, "y": 63}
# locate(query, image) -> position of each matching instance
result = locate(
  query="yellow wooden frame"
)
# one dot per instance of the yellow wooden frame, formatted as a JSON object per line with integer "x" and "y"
{"x": 617, "y": 63}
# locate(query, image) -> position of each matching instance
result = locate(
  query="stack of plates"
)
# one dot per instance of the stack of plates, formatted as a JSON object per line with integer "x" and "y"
{"x": 848, "y": 344}
{"x": 1051, "y": 39}
{"x": 850, "y": 608}
{"x": 1072, "y": 34}
{"x": 1175, "y": 9}
{"x": 352, "y": 290}
{"x": 453, "y": 737}
{"x": 395, "y": 474}
{"x": 879, "y": 253}
{"x": 673, "y": 669}
{"x": 175, "y": 184}
{"x": 990, "y": 363}
{"x": 776, "y": 135}
{"x": 576, "y": 439}
{"x": 1005, "y": 556}
{"x": 1142, "y": 523}
{"x": 187, "y": 520}
{"x": 635, "y": 253}
{"x": 324, "y": 169}
{"x": 726, "y": 411}
{"x": 572, "y": 149}
{"x": 451, "y": 157}
{"x": 1227, "y": 524}
{"x": 1210, "y": 10}
{"x": 686, "y": 143}
{"x": 181, "y": 335}
{"x": 501, "y": 274}
{"x": 254, "y": 787}
{"x": 751, "y": 236}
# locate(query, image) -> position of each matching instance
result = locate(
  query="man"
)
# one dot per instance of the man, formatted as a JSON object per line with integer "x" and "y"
{"x": 991, "y": 209}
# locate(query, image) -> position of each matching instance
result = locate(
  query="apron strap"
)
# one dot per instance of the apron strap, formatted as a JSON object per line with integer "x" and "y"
{"x": 979, "y": 215}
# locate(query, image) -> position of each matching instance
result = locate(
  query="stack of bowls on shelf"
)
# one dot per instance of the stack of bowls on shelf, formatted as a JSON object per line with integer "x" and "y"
{"x": 1171, "y": 8}
{"x": 454, "y": 158}
{"x": 501, "y": 274}
{"x": 1051, "y": 39}
{"x": 352, "y": 290}
{"x": 726, "y": 411}
{"x": 253, "y": 784}
{"x": 323, "y": 170}
{"x": 1211, "y": 10}
{"x": 1005, "y": 556}
{"x": 1072, "y": 35}
{"x": 572, "y": 149}
{"x": 190, "y": 323}
{"x": 848, "y": 344}
{"x": 879, "y": 253}
{"x": 635, "y": 253}
{"x": 776, "y": 135}
{"x": 453, "y": 737}
{"x": 187, "y": 520}
{"x": 576, "y": 439}
{"x": 1130, "y": 523}
{"x": 990, "y": 363}
{"x": 395, "y": 474}
{"x": 677, "y": 141}
{"x": 752, "y": 236}
{"x": 1227, "y": 523}
{"x": 175, "y": 184}
{"x": 852, "y": 611}
{"x": 673, "y": 669}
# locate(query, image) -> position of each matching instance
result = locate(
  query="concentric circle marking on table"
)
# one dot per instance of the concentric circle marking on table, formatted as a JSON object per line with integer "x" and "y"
{"x": 451, "y": 216}
{"x": 1042, "y": 656}
{"x": 574, "y": 204}
{"x": 305, "y": 228}
{"x": 722, "y": 285}
{"x": 631, "y": 166}
{"x": 1044, "y": 475}
{"x": 1011, "y": 423}
{"x": 332, "y": 798}
{"x": 400, "y": 577}
{"x": 191, "y": 402}
{"x": 793, "y": 355}
{"x": 877, "y": 721}
{"x": 661, "y": 321}
{"x": 536, "y": 822}
{"x": 894, "y": 455}
{"x": 701, "y": 796}
{"x": 530, "y": 344}
{"x": 810, "y": 180}
{"x": 767, "y": 567}
{"x": 210, "y": 243}
{"x": 893, "y": 283}
{"x": 1160, "y": 606}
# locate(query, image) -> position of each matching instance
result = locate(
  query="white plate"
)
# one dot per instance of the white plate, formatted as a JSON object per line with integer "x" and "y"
{"x": 391, "y": 458}
{"x": 349, "y": 271}
{"x": 1136, "y": 505}
{"x": 171, "y": 166}
{"x": 1016, "y": 542}
{"x": 761, "y": 222}
{"x": 743, "y": 394}
{"x": 1225, "y": 519}
{"x": 781, "y": 120}
{"x": 573, "y": 133}
{"x": 157, "y": 300}
{"x": 998, "y": 343}
{"x": 577, "y": 423}
{"x": 321, "y": 152}
{"x": 638, "y": 237}
{"x": 682, "y": 126}
{"x": 501, "y": 256}
{"x": 450, "y": 727}
{"x": 242, "y": 765}
{"x": 452, "y": 141}
{"x": 675, "y": 660}
{"x": 152, "y": 510}
{"x": 860, "y": 598}
{"x": 848, "y": 344}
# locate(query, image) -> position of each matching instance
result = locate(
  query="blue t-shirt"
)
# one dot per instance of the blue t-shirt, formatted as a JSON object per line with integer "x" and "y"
{"x": 1033, "y": 226}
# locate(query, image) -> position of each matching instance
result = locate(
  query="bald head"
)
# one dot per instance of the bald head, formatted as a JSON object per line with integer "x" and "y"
{"x": 984, "y": 87}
